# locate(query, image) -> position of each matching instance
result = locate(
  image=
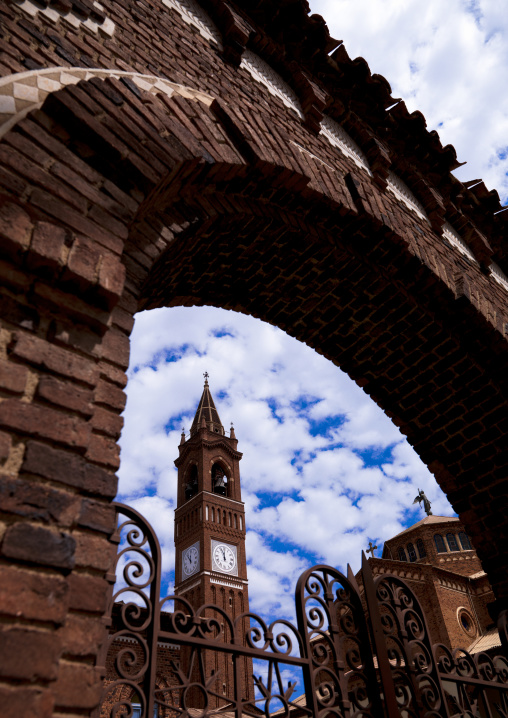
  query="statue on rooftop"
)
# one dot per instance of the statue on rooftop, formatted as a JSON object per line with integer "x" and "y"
{"x": 426, "y": 503}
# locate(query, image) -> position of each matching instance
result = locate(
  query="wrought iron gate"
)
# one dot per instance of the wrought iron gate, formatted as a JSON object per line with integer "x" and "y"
{"x": 356, "y": 656}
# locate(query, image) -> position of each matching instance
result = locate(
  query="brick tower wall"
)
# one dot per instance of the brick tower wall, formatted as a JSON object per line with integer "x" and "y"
{"x": 198, "y": 184}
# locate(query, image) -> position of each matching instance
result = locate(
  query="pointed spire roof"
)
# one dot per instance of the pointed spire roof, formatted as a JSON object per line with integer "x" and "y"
{"x": 206, "y": 414}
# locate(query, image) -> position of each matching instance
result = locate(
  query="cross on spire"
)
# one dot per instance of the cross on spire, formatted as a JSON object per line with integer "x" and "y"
{"x": 371, "y": 549}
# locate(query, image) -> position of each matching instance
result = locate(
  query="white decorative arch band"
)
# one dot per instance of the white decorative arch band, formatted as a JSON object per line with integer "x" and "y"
{"x": 26, "y": 91}
{"x": 266, "y": 75}
{"x": 338, "y": 137}
{"x": 404, "y": 194}
{"x": 454, "y": 238}
{"x": 193, "y": 14}
{"x": 103, "y": 26}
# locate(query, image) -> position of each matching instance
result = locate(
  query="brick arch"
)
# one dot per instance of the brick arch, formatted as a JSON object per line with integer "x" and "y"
{"x": 148, "y": 200}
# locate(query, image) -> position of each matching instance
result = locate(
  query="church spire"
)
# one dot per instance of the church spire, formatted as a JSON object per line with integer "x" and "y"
{"x": 206, "y": 414}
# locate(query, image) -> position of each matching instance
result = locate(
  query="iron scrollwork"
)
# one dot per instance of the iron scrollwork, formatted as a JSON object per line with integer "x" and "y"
{"x": 370, "y": 659}
{"x": 341, "y": 679}
{"x": 475, "y": 685}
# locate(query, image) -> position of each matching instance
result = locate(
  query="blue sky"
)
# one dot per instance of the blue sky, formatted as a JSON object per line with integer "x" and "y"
{"x": 324, "y": 470}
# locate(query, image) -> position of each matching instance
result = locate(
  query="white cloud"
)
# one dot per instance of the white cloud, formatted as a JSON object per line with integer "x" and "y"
{"x": 447, "y": 60}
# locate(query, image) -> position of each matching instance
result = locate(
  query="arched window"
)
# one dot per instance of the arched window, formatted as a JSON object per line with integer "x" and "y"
{"x": 421, "y": 549}
{"x": 191, "y": 485}
{"x": 452, "y": 542}
{"x": 464, "y": 541}
{"x": 236, "y": 521}
{"x": 440, "y": 544}
{"x": 219, "y": 480}
{"x": 213, "y": 514}
{"x": 412, "y": 553}
{"x": 402, "y": 554}
{"x": 218, "y": 516}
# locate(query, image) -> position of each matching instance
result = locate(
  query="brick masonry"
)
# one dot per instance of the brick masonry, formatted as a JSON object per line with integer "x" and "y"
{"x": 448, "y": 583}
{"x": 157, "y": 154}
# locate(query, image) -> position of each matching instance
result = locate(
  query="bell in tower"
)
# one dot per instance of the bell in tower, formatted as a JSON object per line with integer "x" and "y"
{"x": 219, "y": 481}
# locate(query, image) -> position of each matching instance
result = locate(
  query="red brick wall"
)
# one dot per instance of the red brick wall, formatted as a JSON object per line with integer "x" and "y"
{"x": 442, "y": 594}
{"x": 115, "y": 198}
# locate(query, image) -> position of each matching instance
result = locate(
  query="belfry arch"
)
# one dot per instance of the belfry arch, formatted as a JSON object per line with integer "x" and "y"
{"x": 117, "y": 197}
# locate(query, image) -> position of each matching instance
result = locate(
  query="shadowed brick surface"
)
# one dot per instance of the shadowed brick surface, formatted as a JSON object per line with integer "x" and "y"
{"x": 205, "y": 183}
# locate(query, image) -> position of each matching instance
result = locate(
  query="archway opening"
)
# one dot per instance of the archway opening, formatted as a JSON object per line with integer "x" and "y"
{"x": 324, "y": 470}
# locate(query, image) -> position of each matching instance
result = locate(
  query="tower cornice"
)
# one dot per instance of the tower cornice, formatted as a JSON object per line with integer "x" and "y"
{"x": 214, "y": 442}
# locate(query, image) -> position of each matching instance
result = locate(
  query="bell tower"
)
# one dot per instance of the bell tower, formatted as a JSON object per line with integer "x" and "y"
{"x": 210, "y": 564}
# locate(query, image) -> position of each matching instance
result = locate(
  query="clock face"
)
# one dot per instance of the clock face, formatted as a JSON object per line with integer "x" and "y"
{"x": 224, "y": 558}
{"x": 190, "y": 560}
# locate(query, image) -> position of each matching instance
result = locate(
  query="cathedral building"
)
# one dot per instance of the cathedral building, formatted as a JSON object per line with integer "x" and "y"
{"x": 438, "y": 561}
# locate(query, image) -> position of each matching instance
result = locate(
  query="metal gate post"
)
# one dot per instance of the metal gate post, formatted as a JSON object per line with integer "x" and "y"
{"x": 378, "y": 638}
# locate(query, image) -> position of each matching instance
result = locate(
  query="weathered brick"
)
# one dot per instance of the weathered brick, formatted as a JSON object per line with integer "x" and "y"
{"x": 48, "y": 356}
{"x": 112, "y": 374}
{"x": 103, "y": 450}
{"x": 83, "y": 262}
{"x": 116, "y": 348}
{"x": 77, "y": 336}
{"x": 15, "y": 229}
{"x": 110, "y": 395}
{"x": 19, "y": 314}
{"x": 94, "y": 552}
{"x": 45, "y": 423}
{"x": 13, "y": 377}
{"x": 21, "y": 701}
{"x": 33, "y": 596}
{"x": 122, "y": 319}
{"x": 98, "y": 516}
{"x": 38, "y": 501}
{"x": 69, "y": 304}
{"x": 13, "y": 278}
{"x": 107, "y": 422}
{"x": 29, "y": 654}
{"x": 5, "y": 445}
{"x": 78, "y": 685}
{"x": 82, "y": 636}
{"x": 111, "y": 277}
{"x": 47, "y": 246}
{"x": 66, "y": 394}
{"x": 39, "y": 545}
{"x": 88, "y": 593}
{"x": 67, "y": 468}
